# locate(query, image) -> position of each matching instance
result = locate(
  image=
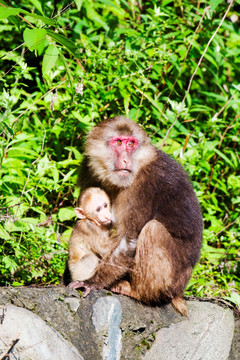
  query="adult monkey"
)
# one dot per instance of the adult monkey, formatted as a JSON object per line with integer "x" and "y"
{"x": 157, "y": 216}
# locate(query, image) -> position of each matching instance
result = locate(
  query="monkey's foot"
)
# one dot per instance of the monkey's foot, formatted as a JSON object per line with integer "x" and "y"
{"x": 75, "y": 284}
{"x": 180, "y": 305}
{"x": 84, "y": 285}
{"x": 122, "y": 287}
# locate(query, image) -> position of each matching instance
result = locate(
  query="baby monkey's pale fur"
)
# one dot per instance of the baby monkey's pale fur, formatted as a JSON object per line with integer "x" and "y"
{"x": 90, "y": 236}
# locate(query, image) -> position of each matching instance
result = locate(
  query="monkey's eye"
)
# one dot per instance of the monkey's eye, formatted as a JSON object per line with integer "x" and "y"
{"x": 131, "y": 144}
{"x": 105, "y": 205}
{"x": 119, "y": 142}
{"x": 98, "y": 209}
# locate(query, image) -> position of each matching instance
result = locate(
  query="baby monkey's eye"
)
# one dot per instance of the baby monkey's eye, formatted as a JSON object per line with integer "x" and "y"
{"x": 105, "y": 205}
{"x": 98, "y": 209}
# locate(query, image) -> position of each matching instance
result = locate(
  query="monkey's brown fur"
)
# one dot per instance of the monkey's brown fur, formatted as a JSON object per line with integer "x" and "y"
{"x": 157, "y": 215}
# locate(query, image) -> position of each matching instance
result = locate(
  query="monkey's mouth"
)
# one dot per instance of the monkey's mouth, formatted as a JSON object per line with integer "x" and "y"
{"x": 106, "y": 222}
{"x": 123, "y": 172}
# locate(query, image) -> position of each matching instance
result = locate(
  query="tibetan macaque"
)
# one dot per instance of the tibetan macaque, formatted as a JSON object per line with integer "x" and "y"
{"x": 156, "y": 213}
{"x": 90, "y": 237}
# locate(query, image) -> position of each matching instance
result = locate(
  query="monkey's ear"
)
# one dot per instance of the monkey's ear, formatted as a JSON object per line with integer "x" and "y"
{"x": 79, "y": 212}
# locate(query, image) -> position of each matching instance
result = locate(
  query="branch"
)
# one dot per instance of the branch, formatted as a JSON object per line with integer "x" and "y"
{"x": 6, "y": 356}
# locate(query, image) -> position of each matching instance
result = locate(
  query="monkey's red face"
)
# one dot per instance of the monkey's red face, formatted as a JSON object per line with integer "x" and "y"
{"x": 116, "y": 151}
{"x": 123, "y": 148}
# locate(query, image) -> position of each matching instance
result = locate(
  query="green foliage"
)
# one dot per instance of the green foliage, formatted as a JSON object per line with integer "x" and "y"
{"x": 67, "y": 68}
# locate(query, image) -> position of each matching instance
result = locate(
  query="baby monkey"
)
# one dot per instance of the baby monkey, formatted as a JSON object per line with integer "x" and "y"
{"x": 90, "y": 236}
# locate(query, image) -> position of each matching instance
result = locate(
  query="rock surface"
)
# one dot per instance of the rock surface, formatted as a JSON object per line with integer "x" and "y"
{"x": 31, "y": 338}
{"x": 106, "y": 318}
{"x": 35, "y": 323}
{"x": 207, "y": 334}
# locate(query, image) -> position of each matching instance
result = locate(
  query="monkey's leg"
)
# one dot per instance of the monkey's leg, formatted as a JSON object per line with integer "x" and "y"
{"x": 83, "y": 269}
{"x": 160, "y": 271}
{"x": 113, "y": 266}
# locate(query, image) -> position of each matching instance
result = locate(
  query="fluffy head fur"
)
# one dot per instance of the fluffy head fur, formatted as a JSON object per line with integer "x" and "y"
{"x": 101, "y": 157}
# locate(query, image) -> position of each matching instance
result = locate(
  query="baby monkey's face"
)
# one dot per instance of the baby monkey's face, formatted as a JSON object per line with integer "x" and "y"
{"x": 99, "y": 210}
{"x": 95, "y": 207}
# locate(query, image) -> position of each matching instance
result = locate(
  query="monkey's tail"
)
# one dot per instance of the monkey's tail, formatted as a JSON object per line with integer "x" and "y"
{"x": 180, "y": 305}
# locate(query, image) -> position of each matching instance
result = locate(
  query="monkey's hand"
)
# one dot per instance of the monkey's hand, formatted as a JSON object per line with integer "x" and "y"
{"x": 86, "y": 286}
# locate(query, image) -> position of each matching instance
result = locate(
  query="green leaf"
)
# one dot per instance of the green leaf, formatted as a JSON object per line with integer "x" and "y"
{"x": 224, "y": 157}
{"x": 15, "y": 20}
{"x": 170, "y": 146}
{"x": 214, "y": 4}
{"x": 113, "y": 7}
{"x": 67, "y": 68}
{"x": 44, "y": 19}
{"x": 37, "y": 5}
{"x": 76, "y": 153}
{"x": 23, "y": 136}
{"x": 6, "y": 12}
{"x": 4, "y": 234}
{"x": 66, "y": 214}
{"x": 37, "y": 273}
{"x": 65, "y": 42}
{"x": 211, "y": 253}
{"x": 66, "y": 177}
{"x": 237, "y": 86}
{"x": 21, "y": 225}
{"x": 9, "y": 263}
{"x": 93, "y": 15}
{"x": 85, "y": 122}
{"x": 55, "y": 175}
{"x": 30, "y": 220}
{"x": 10, "y": 226}
{"x": 35, "y": 39}
{"x": 234, "y": 181}
{"x": 79, "y": 4}
{"x": 49, "y": 59}
{"x": 20, "y": 152}
{"x": 66, "y": 163}
{"x": 234, "y": 298}
{"x": 166, "y": 2}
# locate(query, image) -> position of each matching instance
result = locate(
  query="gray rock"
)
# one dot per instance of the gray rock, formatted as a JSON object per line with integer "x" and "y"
{"x": 24, "y": 335}
{"x": 73, "y": 303}
{"x": 106, "y": 318}
{"x": 206, "y": 335}
{"x": 235, "y": 349}
{"x": 49, "y": 303}
{"x": 92, "y": 325}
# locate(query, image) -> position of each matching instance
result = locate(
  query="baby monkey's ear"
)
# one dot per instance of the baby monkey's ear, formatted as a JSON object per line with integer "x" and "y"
{"x": 79, "y": 212}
